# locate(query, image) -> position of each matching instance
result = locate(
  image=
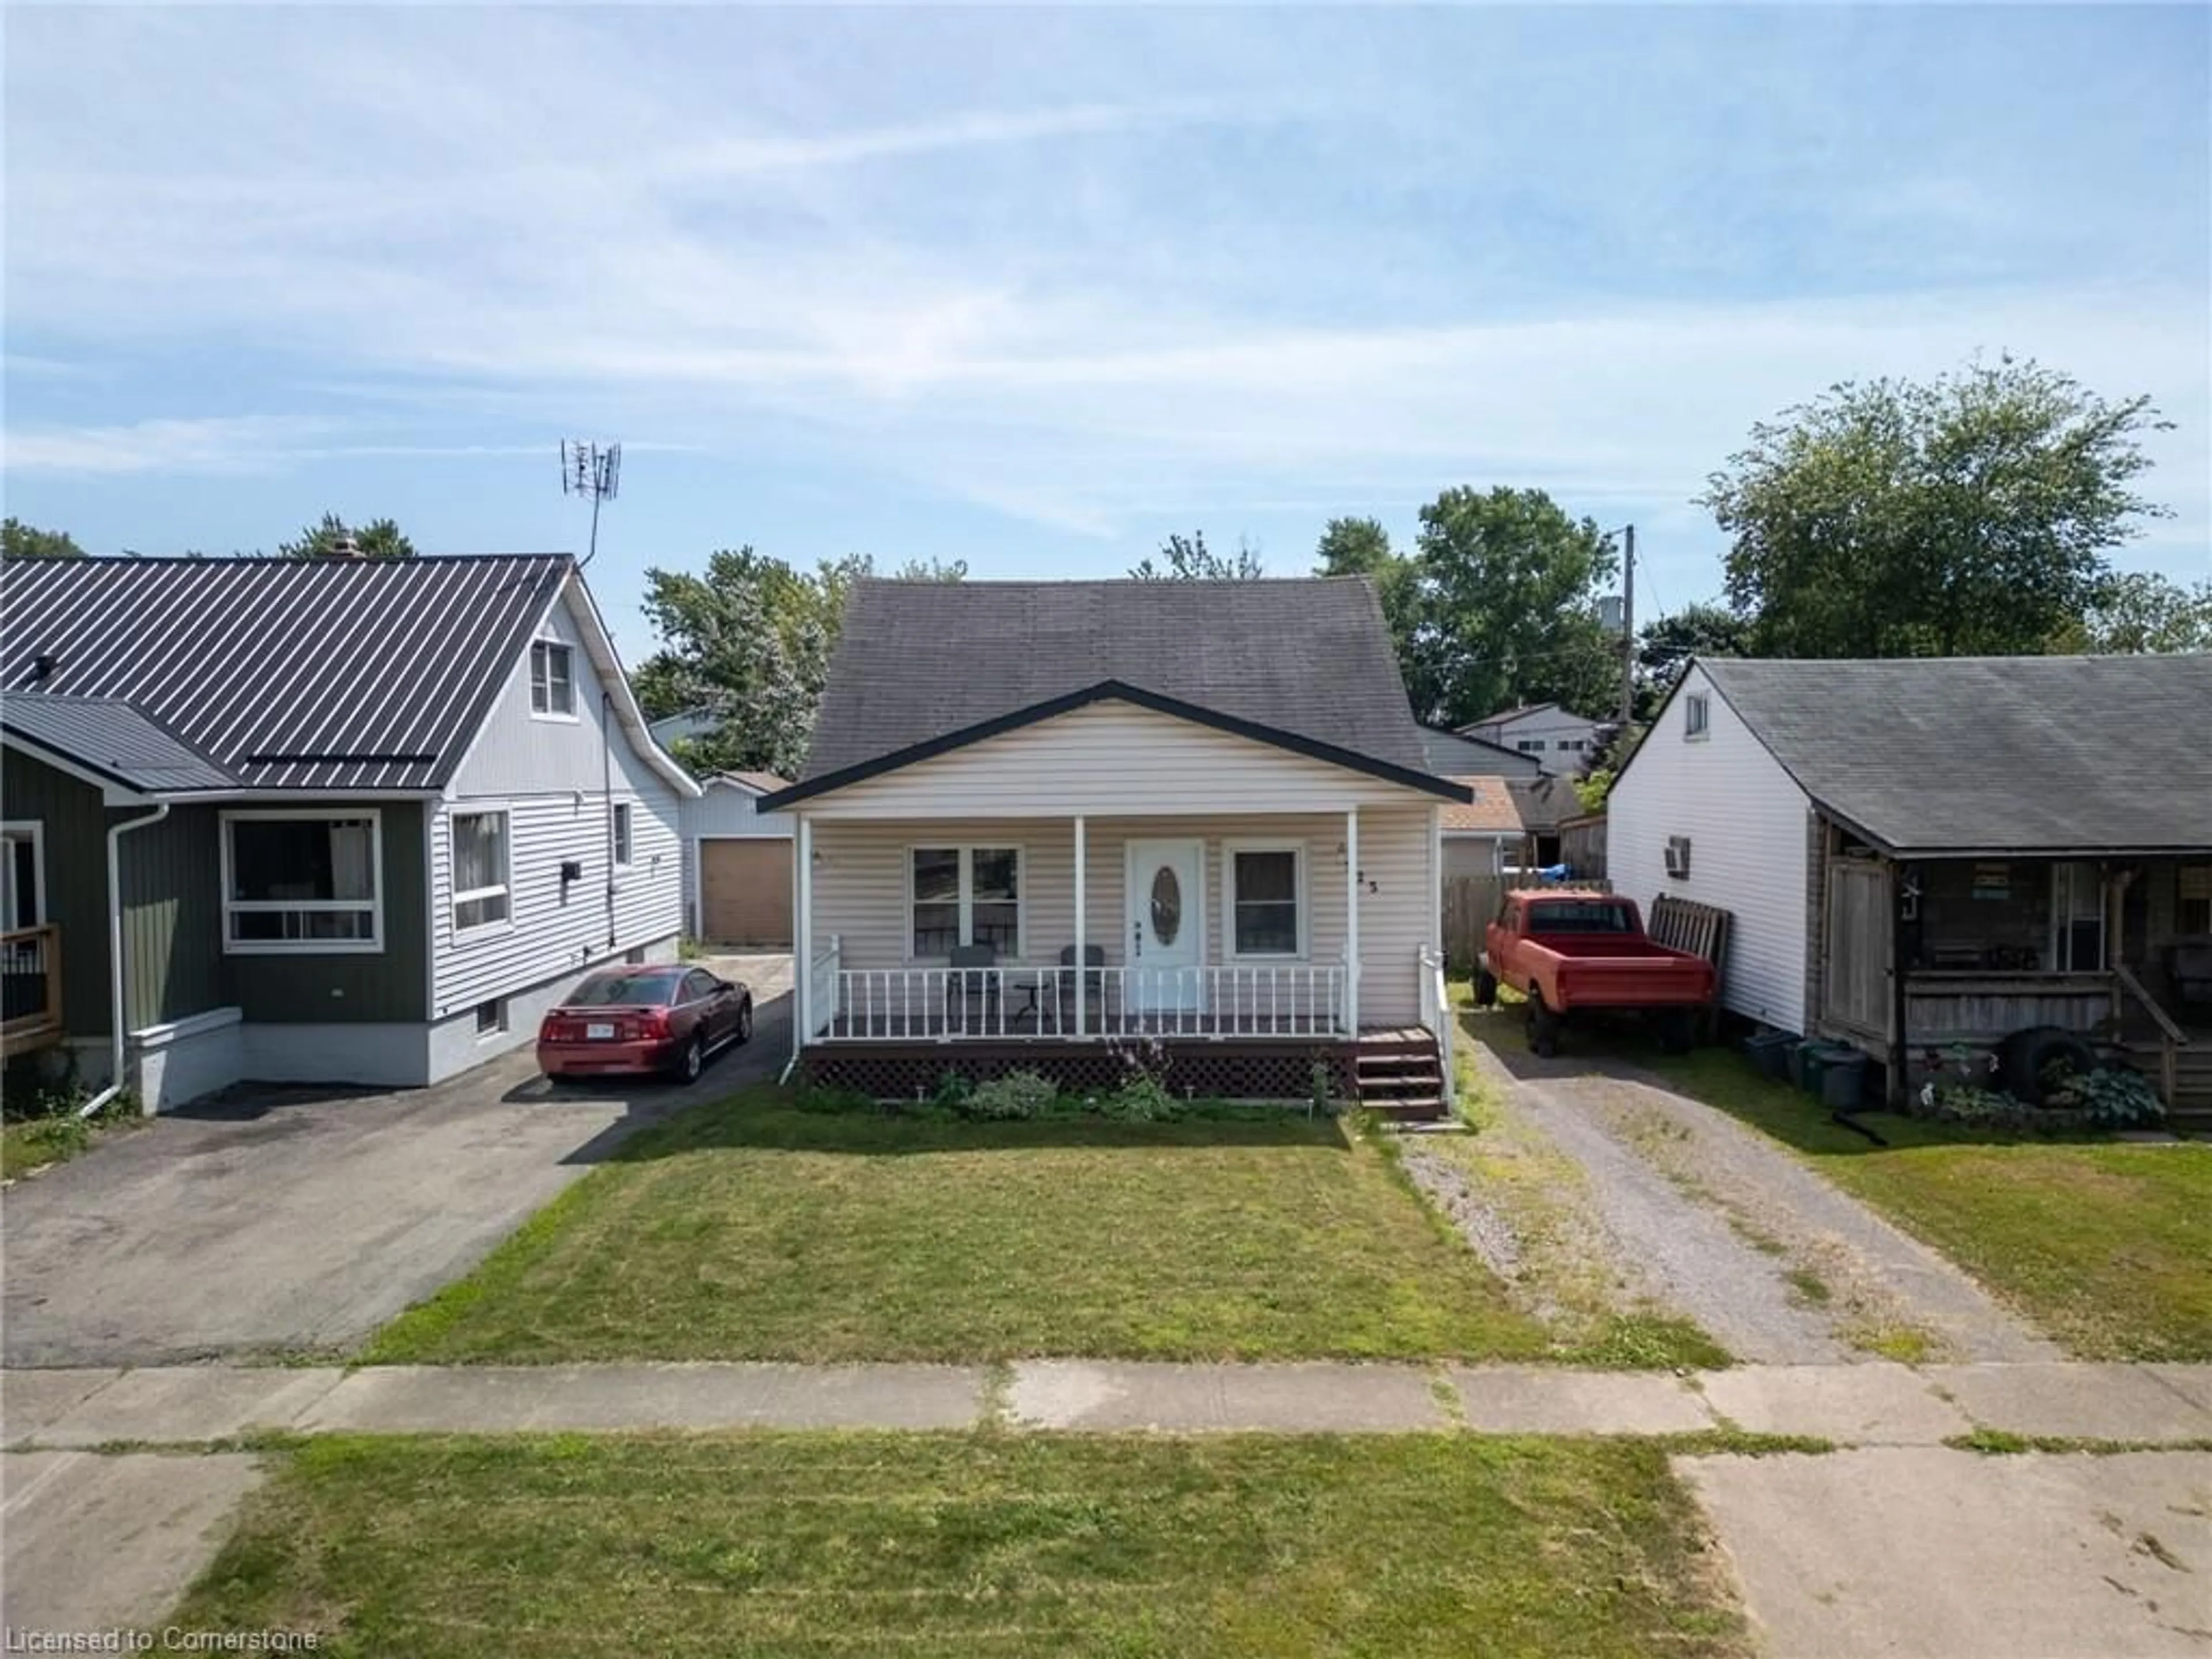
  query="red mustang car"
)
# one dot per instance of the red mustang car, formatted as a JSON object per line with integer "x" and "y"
{"x": 660, "y": 1019}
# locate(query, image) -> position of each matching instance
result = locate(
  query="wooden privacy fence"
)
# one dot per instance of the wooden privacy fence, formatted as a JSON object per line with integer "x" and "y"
{"x": 1700, "y": 929}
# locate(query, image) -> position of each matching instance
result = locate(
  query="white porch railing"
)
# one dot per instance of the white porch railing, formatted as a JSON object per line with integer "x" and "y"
{"x": 1436, "y": 1015}
{"x": 969, "y": 1004}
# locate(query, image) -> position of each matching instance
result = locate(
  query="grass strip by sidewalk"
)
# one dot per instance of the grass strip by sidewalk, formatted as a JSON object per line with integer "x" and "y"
{"x": 970, "y": 1545}
{"x": 756, "y": 1229}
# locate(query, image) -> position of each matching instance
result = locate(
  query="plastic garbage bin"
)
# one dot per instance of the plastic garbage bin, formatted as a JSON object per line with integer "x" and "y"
{"x": 1833, "y": 1073}
{"x": 1770, "y": 1052}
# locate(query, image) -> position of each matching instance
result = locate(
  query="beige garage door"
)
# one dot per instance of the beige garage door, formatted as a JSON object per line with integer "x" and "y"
{"x": 744, "y": 891}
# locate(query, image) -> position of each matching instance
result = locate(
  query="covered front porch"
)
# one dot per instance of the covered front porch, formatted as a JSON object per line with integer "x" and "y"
{"x": 1234, "y": 950}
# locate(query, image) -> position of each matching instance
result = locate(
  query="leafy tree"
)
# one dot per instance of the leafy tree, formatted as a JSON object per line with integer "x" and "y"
{"x": 1355, "y": 547}
{"x": 749, "y": 641}
{"x": 19, "y": 540}
{"x": 1502, "y": 607}
{"x": 380, "y": 538}
{"x": 1666, "y": 643}
{"x": 2142, "y": 611}
{"x": 1969, "y": 514}
{"x": 1189, "y": 559}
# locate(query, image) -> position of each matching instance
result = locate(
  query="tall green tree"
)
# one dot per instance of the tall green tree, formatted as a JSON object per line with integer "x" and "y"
{"x": 1187, "y": 558}
{"x": 1968, "y": 514}
{"x": 748, "y": 639}
{"x": 1503, "y": 607}
{"x": 1361, "y": 547}
{"x": 19, "y": 540}
{"x": 1665, "y": 644}
{"x": 2141, "y": 611}
{"x": 380, "y": 538}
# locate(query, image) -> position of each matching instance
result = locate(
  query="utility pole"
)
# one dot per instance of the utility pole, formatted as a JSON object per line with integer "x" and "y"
{"x": 1628, "y": 628}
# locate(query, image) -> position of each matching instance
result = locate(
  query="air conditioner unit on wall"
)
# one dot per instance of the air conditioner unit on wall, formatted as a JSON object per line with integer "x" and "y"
{"x": 1678, "y": 857}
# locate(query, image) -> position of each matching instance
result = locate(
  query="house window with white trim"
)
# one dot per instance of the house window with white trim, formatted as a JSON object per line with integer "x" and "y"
{"x": 965, "y": 896}
{"x": 1697, "y": 714}
{"x": 1265, "y": 898}
{"x": 622, "y": 832}
{"x": 552, "y": 680}
{"x": 302, "y": 880}
{"x": 481, "y": 894}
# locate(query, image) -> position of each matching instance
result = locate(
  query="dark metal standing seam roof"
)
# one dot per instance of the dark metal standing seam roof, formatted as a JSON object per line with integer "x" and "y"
{"x": 919, "y": 661}
{"x": 114, "y": 739}
{"x": 1992, "y": 754}
{"x": 321, "y": 674}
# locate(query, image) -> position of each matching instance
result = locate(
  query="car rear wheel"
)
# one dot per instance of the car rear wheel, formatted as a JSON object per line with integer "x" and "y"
{"x": 692, "y": 1061}
{"x": 746, "y": 1021}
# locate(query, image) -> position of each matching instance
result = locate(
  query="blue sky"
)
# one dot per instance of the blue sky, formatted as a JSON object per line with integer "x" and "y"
{"x": 1033, "y": 288}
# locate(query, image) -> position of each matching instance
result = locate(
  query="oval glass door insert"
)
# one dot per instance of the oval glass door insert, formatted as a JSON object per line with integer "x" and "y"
{"x": 1167, "y": 905}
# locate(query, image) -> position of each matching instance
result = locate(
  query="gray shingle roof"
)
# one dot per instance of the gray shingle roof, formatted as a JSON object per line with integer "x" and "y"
{"x": 1993, "y": 754}
{"x": 290, "y": 673}
{"x": 918, "y": 660}
{"x": 112, "y": 739}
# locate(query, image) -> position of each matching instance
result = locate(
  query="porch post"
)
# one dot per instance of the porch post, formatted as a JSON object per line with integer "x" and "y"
{"x": 803, "y": 974}
{"x": 1082, "y": 882}
{"x": 1352, "y": 921}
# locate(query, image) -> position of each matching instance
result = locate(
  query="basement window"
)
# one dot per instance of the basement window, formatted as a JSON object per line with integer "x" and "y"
{"x": 491, "y": 1017}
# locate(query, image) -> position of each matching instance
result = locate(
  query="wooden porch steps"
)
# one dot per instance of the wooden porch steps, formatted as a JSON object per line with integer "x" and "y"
{"x": 1400, "y": 1075}
{"x": 2191, "y": 1105}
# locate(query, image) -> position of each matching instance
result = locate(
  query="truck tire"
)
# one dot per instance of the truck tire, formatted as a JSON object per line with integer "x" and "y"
{"x": 1486, "y": 989}
{"x": 2024, "y": 1056}
{"x": 1678, "y": 1030}
{"x": 1543, "y": 1026}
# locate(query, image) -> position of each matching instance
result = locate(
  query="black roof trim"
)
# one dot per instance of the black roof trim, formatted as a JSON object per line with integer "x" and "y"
{"x": 1115, "y": 692}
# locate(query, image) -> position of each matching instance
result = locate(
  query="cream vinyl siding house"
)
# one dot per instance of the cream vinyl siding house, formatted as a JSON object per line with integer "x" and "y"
{"x": 1259, "y": 886}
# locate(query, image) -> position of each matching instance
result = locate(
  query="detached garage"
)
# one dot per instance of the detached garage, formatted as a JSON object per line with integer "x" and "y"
{"x": 737, "y": 864}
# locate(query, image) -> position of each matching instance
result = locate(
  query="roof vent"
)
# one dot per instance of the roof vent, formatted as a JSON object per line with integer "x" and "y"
{"x": 42, "y": 667}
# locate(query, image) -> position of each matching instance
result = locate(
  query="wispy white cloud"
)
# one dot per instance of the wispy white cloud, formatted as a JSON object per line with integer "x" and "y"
{"x": 230, "y": 444}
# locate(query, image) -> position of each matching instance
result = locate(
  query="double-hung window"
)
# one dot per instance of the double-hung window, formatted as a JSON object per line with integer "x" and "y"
{"x": 1697, "y": 714}
{"x": 481, "y": 884}
{"x": 965, "y": 896}
{"x": 552, "y": 680}
{"x": 301, "y": 881}
{"x": 622, "y": 832}
{"x": 1265, "y": 894}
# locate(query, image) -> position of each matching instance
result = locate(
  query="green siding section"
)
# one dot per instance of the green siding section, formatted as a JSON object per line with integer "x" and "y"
{"x": 172, "y": 917}
{"x": 391, "y": 986}
{"x": 76, "y": 878}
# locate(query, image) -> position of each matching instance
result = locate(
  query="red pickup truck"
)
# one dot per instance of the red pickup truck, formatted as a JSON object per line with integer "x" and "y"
{"x": 1570, "y": 951}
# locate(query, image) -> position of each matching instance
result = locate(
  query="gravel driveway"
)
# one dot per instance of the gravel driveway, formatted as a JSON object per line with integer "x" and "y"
{"x": 282, "y": 1220}
{"x": 1732, "y": 1232}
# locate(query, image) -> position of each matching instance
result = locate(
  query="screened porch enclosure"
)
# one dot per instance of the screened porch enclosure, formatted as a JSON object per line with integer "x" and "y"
{"x": 1086, "y": 929}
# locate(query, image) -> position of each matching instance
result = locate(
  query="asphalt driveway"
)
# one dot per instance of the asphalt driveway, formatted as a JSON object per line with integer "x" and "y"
{"x": 284, "y": 1220}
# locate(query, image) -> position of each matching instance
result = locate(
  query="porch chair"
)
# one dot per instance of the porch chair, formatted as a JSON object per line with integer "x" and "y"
{"x": 971, "y": 996}
{"x": 1092, "y": 988}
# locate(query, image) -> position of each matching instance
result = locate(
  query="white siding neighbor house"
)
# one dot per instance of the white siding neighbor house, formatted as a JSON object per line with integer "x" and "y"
{"x": 1703, "y": 785}
{"x": 1212, "y": 796}
{"x": 1559, "y": 739}
{"x": 335, "y": 821}
{"x": 2004, "y": 855}
{"x": 736, "y": 863}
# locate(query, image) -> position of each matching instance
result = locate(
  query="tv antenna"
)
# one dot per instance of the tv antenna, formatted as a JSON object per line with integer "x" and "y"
{"x": 593, "y": 469}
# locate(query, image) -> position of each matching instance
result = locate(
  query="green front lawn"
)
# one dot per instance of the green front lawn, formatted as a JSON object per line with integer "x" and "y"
{"x": 757, "y": 1229}
{"x": 969, "y": 1545}
{"x": 2103, "y": 1243}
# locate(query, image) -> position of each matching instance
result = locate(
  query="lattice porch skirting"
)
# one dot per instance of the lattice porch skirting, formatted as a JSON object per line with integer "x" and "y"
{"x": 1206, "y": 1069}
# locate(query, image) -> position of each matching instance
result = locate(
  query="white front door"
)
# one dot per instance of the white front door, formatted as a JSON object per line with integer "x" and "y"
{"x": 1165, "y": 925}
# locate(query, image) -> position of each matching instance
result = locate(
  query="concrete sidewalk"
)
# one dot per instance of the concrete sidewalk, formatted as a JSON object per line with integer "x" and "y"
{"x": 1864, "y": 1405}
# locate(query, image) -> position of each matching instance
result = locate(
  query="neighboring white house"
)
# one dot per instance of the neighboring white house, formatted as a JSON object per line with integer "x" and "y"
{"x": 1212, "y": 795}
{"x": 691, "y": 723}
{"x": 736, "y": 863}
{"x": 1704, "y": 812}
{"x": 1561, "y": 742}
